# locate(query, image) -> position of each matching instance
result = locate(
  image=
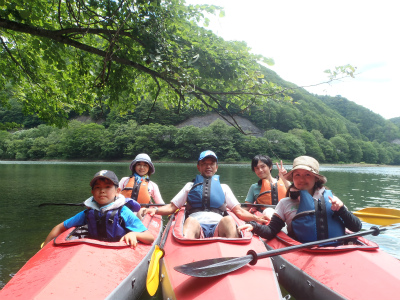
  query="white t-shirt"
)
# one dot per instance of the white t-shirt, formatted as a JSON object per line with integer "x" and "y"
{"x": 154, "y": 191}
{"x": 205, "y": 217}
{"x": 286, "y": 209}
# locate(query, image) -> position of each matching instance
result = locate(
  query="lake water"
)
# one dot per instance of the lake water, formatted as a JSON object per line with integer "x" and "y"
{"x": 24, "y": 185}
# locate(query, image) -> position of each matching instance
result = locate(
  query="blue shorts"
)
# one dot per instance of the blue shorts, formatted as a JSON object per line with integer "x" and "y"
{"x": 208, "y": 229}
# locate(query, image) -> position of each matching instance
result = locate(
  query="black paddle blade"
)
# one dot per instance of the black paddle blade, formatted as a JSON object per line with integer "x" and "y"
{"x": 214, "y": 267}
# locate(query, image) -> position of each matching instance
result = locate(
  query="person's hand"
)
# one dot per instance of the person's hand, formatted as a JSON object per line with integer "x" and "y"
{"x": 282, "y": 171}
{"x": 268, "y": 213}
{"x": 336, "y": 203}
{"x": 246, "y": 227}
{"x": 151, "y": 211}
{"x": 130, "y": 239}
{"x": 252, "y": 210}
{"x": 262, "y": 220}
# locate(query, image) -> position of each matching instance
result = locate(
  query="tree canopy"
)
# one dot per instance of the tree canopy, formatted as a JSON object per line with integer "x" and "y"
{"x": 65, "y": 56}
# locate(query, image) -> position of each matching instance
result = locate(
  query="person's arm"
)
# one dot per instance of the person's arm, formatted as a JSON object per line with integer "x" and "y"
{"x": 268, "y": 231}
{"x": 233, "y": 204}
{"x": 132, "y": 238}
{"x": 246, "y": 216}
{"x": 156, "y": 193}
{"x": 123, "y": 182}
{"x": 249, "y": 198}
{"x": 57, "y": 230}
{"x": 350, "y": 221}
{"x": 162, "y": 210}
{"x": 176, "y": 203}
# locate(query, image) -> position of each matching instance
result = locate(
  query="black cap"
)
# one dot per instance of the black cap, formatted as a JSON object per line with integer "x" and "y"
{"x": 105, "y": 174}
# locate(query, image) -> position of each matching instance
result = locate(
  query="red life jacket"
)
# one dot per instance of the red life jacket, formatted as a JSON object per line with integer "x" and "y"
{"x": 271, "y": 194}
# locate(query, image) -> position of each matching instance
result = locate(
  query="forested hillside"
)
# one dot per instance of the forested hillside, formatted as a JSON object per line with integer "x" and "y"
{"x": 134, "y": 71}
{"x": 331, "y": 129}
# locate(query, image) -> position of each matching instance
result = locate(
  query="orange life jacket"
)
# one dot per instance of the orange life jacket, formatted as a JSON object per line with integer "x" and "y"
{"x": 271, "y": 195}
{"x": 138, "y": 192}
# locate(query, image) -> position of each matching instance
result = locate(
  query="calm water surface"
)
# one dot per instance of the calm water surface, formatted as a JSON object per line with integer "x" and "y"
{"x": 24, "y": 185}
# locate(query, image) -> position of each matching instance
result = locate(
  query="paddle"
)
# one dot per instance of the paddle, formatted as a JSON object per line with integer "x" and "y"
{"x": 379, "y": 215}
{"x": 153, "y": 272}
{"x": 223, "y": 265}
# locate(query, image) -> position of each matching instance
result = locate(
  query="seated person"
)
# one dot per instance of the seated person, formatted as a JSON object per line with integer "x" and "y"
{"x": 326, "y": 215}
{"x": 267, "y": 190}
{"x": 105, "y": 203}
{"x": 207, "y": 200}
{"x": 138, "y": 186}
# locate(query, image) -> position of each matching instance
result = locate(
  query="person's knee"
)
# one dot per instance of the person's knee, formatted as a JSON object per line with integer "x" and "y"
{"x": 227, "y": 228}
{"x": 228, "y": 221}
{"x": 191, "y": 228}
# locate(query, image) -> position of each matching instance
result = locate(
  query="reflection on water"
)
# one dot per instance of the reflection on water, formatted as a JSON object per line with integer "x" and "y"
{"x": 24, "y": 185}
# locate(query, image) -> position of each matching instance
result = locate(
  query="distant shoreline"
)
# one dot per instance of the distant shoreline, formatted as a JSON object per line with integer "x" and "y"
{"x": 194, "y": 162}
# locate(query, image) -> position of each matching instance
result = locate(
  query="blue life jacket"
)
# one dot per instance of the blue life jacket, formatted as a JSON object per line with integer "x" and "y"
{"x": 315, "y": 220}
{"x": 206, "y": 195}
{"x": 109, "y": 226}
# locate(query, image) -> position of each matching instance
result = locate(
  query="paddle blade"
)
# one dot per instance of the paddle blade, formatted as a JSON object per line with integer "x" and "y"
{"x": 379, "y": 215}
{"x": 214, "y": 267}
{"x": 153, "y": 273}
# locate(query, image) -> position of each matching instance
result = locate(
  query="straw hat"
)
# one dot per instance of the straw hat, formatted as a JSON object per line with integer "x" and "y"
{"x": 306, "y": 163}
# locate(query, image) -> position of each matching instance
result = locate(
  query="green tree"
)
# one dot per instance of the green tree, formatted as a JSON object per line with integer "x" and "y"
{"x": 71, "y": 56}
{"x": 153, "y": 138}
{"x": 383, "y": 153}
{"x": 310, "y": 143}
{"x": 355, "y": 153}
{"x": 188, "y": 142}
{"x": 370, "y": 154}
{"x": 342, "y": 148}
{"x": 326, "y": 146}
{"x": 81, "y": 140}
{"x": 38, "y": 149}
{"x": 250, "y": 146}
{"x": 4, "y": 137}
{"x": 285, "y": 145}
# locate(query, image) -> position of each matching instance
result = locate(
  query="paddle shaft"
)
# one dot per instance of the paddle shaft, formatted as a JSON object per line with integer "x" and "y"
{"x": 374, "y": 231}
{"x": 153, "y": 280}
{"x": 166, "y": 231}
{"x": 224, "y": 265}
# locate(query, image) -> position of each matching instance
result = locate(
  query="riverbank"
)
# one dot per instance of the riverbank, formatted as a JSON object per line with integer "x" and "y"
{"x": 165, "y": 161}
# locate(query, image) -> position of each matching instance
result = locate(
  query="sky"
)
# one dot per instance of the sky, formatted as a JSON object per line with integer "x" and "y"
{"x": 307, "y": 37}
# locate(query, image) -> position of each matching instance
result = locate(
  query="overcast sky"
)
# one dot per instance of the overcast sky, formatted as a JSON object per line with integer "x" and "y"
{"x": 309, "y": 36}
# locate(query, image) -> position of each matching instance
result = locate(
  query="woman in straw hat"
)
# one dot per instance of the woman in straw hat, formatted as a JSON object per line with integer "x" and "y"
{"x": 310, "y": 210}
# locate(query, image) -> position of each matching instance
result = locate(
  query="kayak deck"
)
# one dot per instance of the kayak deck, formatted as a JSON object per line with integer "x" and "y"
{"x": 88, "y": 269}
{"x": 250, "y": 282}
{"x": 357, "y": 271}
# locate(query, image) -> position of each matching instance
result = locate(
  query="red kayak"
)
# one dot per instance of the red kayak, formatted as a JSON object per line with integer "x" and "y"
{"x": 357, "y": 271}
{"x": 75, "y": 267}
{"x": 250, "y": 282}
